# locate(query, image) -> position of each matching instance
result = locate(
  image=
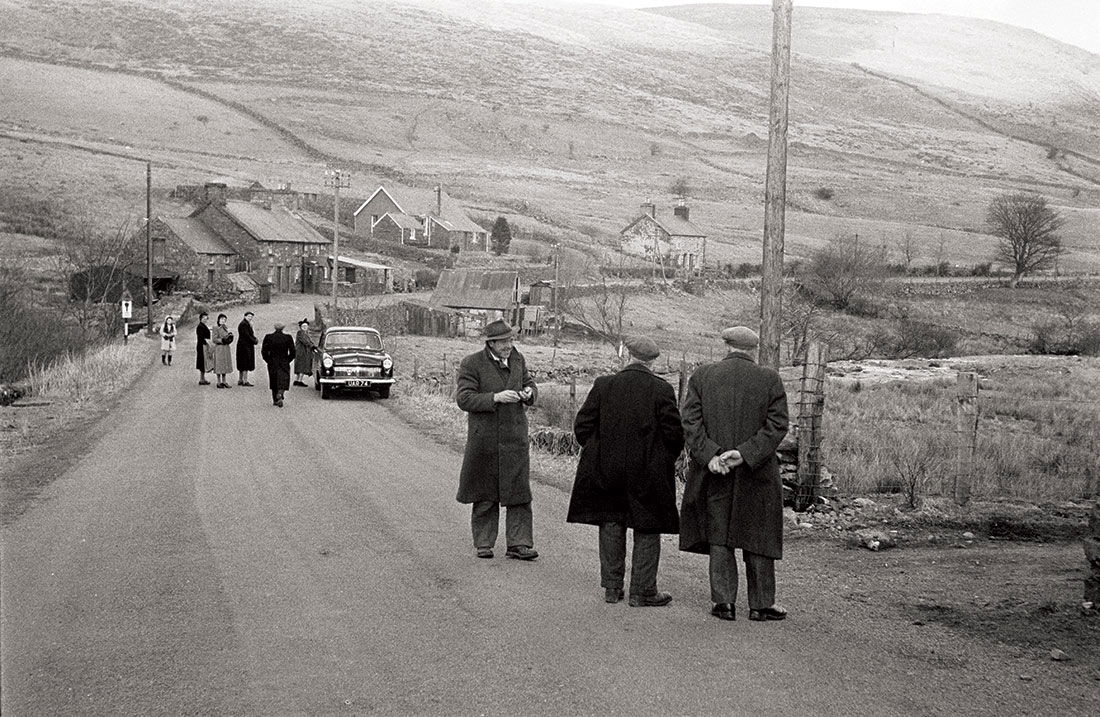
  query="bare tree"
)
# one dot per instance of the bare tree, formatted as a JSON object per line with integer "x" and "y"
{"x": 94, "y": 266}
{"x": 601, "y": 312}
{"x": 843, "y": 268}
{"x": 908, "y": 249}
{"x": 1028, "y": 229}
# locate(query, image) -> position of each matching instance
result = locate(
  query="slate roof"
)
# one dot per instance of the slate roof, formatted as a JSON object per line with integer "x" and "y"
{"x": 672, "y": 224}
{"x": 474, "y": 289}
{"x": 422, "y": 202}
{"x": 277, "y": 224}
{"x": 404, "y": 221}
{"x": 196, "y": 235}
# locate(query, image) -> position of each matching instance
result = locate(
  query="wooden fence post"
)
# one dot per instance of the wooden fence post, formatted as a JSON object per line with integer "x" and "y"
{"x": 573, "y": 395}
{"x": 966, "y": 433}
{"x": 416, "y": 368}
{"x": 811, "y": 407}
{"x": 683, "y": 382}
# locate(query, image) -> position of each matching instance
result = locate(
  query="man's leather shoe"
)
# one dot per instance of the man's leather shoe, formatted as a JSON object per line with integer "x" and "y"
{"x": 654, "y": 600}
{"x": 204, "y": 382}
{"x": 768, "y": 613}
{"x": 522, "y": 552}
{"x": 484, "y": 552}
{"x": 613, "y": 595}
{"x": 724, "y": 611}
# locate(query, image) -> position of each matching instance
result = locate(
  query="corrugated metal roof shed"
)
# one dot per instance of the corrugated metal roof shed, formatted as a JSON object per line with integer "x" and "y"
{"x": 277, "y": 224}
{"x": 474, "y": 289}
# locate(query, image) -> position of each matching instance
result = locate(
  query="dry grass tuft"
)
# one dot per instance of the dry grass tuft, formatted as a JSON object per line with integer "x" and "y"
{"x": 80, "y": 377}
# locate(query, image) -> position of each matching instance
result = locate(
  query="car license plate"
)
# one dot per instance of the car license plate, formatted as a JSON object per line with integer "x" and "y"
{"x": 357, "y": 384}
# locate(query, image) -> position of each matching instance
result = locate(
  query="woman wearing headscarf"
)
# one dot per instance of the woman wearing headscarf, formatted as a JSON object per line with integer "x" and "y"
{"x": 303, "y": 353}
{"x": 167, "y": 340}
{"x": 246, "y": 348}
{"x": 223, "y": 355}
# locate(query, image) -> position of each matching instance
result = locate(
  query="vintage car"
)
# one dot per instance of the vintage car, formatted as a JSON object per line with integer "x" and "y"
{"x": 352, "y": 357}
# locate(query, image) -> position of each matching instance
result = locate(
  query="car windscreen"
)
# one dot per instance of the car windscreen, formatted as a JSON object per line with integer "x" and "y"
{"x": 353, "y": 340}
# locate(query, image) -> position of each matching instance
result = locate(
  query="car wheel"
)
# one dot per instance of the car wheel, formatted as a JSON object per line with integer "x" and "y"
{"x": 383, "y": 391}
{"x": 326, "y": 392}
{"x": 317, "y": 382}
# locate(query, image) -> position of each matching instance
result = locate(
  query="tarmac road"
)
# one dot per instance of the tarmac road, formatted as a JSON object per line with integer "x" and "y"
{"x": 213, "y": 554}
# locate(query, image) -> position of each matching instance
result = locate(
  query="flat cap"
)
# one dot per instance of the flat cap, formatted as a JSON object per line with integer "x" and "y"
{"x": 642, "y": 348}
{"x": 741, "y": 337}
{"x": 279, "y": 325}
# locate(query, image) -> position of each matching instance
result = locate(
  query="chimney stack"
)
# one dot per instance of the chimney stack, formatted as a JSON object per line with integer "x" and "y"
{"x": 215, "y": 193}
{"x": 681, "y": 210}
{"x": 649, "y": 208}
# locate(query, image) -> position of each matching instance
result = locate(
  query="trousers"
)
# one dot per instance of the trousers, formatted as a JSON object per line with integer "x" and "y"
{"x": 759, "y": 577}
{"x": 643, "y": 561}
{"x": 518, "y": 524}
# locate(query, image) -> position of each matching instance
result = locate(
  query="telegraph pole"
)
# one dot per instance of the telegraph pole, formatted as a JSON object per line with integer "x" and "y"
{"x": 148, "y": 246}
{"x": 775, "y": 192}
{"x": 336, "y": 179}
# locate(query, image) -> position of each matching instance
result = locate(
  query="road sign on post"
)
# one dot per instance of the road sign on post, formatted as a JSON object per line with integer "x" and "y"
{"x": 126, "y": 304}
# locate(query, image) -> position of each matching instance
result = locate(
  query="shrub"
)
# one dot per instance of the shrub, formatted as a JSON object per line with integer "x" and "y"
{"x": 1065, "y": 338}
{"x": 841, "y": 269}
{"x": 920, "y": 338}
{"x": 824, "y": 193}
{"x": 426, "y": 278}
{"x": 985, "y": 269}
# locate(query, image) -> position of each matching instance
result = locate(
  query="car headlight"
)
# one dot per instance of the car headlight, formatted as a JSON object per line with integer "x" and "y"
{"x": 327, "y": 361}
{"x": 387, "y": 363}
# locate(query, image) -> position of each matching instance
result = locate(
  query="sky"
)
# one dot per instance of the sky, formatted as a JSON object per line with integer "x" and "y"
{"x": 1073, "y": 21}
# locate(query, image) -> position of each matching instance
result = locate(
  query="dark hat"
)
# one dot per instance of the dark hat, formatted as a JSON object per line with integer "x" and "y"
{"x": 303, "y": 321}
{"x": 642, "y": 348}
{"x": 742, "y": 338}
{"x": 499, "y": 329}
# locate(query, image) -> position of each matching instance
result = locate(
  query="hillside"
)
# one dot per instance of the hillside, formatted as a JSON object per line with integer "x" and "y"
{"x": 576, "y": 115}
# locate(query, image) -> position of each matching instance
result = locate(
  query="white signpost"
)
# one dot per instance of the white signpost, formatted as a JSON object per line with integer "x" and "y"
{"x": 127, "y": 306}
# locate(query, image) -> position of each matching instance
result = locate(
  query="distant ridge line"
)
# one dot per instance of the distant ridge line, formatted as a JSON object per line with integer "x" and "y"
{"x": 983, "y": 123}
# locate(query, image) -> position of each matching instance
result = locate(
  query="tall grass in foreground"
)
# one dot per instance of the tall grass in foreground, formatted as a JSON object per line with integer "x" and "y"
{"x": 98, "y": 371}
{"x": 1038, "y": 435}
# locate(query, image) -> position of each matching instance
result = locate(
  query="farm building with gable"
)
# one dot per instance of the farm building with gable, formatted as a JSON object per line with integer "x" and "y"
{"x": 480, "y": 296}
{"x": 222, "y": 236}
{"x": 673, "y": 241}
{"x": 408, "y": 215}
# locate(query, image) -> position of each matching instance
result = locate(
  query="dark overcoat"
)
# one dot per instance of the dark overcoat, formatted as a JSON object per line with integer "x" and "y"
{"x": 734, "y": 404}
{"x": 278, "y": 351}
{"x": 496, "y": 464}
{"x": 202, "y": 339}
{"x": 303, "y": 352}
{"x": 246, "y": 346}
{"x": 630, "y": 435}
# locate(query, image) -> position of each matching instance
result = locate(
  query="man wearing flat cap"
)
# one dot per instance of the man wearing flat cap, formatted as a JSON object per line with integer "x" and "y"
{"x": 495, "y": 389}
{"x": 735, "y": 414}
{"x": 277, "y": 350}
{"x": 630, "y": 435}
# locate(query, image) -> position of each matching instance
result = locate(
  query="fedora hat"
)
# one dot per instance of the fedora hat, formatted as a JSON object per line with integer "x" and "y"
{"x": 499, "y": 329}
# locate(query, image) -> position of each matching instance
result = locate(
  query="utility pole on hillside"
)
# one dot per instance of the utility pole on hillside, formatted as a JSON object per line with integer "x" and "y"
{"x": 148, "y": 246}
{"x": 775, "y": 192}
{"x": 336, "y": 179}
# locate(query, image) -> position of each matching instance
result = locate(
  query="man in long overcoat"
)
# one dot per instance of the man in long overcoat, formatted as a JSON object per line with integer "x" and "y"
{"x": 277, "y": 350}
{"x": 246, "y": 349}
{"x": 495, "y": 389}
{"x": 735, "y": 414}
{"x": 630, "y": 435}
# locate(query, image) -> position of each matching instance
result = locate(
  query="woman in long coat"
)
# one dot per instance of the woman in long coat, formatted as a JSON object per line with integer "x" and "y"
{"x": 222, "y": 337}
{"x": 246, "y": 348}
{"x": 203, "y": 359}
{"x": 303, "y": 353}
